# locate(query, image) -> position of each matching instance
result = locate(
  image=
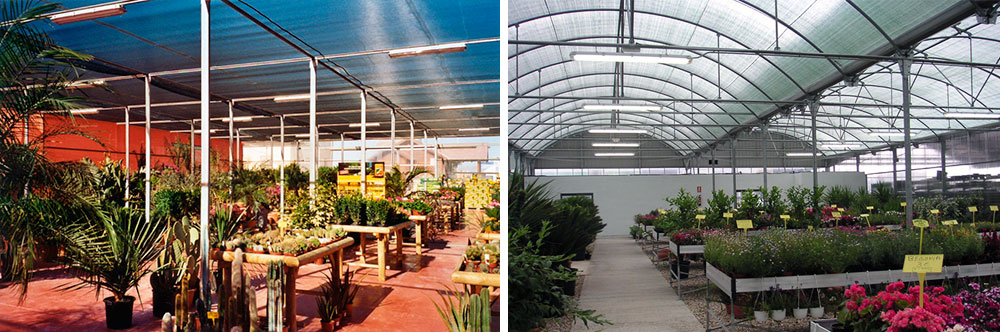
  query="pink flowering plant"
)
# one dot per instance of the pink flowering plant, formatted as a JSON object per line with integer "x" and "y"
{"x": 982, "y": 305}
{"x": 896, "y": 309}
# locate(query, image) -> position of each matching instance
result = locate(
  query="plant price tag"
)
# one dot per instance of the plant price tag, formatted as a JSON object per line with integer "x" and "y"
{"x": 727, "y": 215}
{"x": 923, "y": 263}
{"x": 700, "y": 217}
{"x": 786, "y": 217}
{"x": 833, "y": 206}
{"x": 994, "y": 208}
{"x": 864, "y": 215}
{"x": 973, "y": 209}
{"x": 835, "y": 214}
{"x": 840, "y": 209}
{"x": 870, "y": 208}
{"x": 744, "y": 224}
{"x": 920, "y": 223}
{"x": 935, "y": 211}
{"x": 903, "y": 204}
{"x": 950, "y": 222}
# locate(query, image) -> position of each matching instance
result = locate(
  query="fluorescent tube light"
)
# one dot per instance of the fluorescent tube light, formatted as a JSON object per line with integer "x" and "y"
{"x": 88, "y": 14}
{"x": 614, "y": 154}
{"x": 239, "y": 119}
{"x": 615, "y": 145}
{"x": 962, "y": 115}
{"x": 631, "y": 57}
{"x": 302, "y": 135}
{"x": 210, "y": 131}
{"x": 800, "y": 154}
{"x": 84, "y": 111}
{"x": 432, "y": 49}
{"x": 474, "y": 129}
{"x": 288, "y": 98}
{"x": 617, "y": 131}
{"x": 840, "y": 146}
{"x": 886, "y": 133}
{"x": 622, "y": 107}
{"x": 369, "y": 124}
{"x": 461, "y": 107}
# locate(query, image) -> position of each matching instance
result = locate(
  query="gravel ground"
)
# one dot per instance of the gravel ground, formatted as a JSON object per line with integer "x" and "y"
{"x": 695, "y": 301}
{"x": 565, "y": 323}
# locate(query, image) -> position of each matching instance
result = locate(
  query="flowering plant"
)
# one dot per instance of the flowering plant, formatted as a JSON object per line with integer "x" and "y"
{"x": 894, "y": 310}
{"x": 981, "y": 307}
{"x": 687, "y": 237}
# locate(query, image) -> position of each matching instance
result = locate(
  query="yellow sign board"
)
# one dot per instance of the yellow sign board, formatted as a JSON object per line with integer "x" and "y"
{"x": 700, "y": 217}
{"x": 727, "y": 215}
{"x": 973, "y": 209}
{"x": 923, "y": 263}
{"x": 744, "y": 224}
{"x": 870, "y": 208}
{"x": 994, "y": 208}
{"x": 920, "y": 223}
{"x": 935, "y": 211}
{"x": 810, "y": 227}
{"x": 835, "y": 214}
{"x": 950, "y": 222}
{"x": 833, "y": 206}
{"x": 840, "y": 209}
{"x": 864, "y": 215}
{"x": 903, "y": 204}
{"x": 786, "y": 217}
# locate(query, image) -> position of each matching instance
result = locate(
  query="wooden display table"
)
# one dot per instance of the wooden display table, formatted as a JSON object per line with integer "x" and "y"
{"x": 420, "y": 232}
{"x": 488, "y": 236}
{"x": 381, "y": 234}
{"x": 477, "y": 280}
{"x": 334, "y": 250}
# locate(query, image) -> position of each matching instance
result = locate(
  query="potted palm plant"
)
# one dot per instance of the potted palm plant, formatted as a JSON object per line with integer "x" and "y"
{"x": 113, "y": 253}
{"x": 328, "y": 302}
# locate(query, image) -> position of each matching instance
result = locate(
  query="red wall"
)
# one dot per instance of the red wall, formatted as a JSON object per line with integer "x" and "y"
{"x": 112, "y": 136}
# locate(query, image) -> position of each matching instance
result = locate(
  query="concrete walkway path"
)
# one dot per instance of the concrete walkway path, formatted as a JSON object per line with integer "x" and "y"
{"x": 622, "y": 284}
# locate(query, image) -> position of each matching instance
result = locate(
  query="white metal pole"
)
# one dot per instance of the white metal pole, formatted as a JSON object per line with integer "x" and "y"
{"x": 239, "y": 149}
{"x": 424, "y": 143}
{"x": 270, "y": 151}
{"x": 282, "y": 171}
{"x": 392, "y": 139}
{"x": 904, "y": 66}
{"x": 342, "y": 147}
{"x": 364, "y": 142}
{"x": 313, "y": 165}
{"x": 412, "y": 143}
{"x": 206, "y": 294}
{"x": 231, "y": 162}
{"x": 149, "y": 159}
{"x": 192, "y": 146}
{"x": 127, "y": 161}
{"x": 436, "y": 157}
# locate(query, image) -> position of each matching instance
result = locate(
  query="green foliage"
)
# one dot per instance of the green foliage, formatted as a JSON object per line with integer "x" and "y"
{"x": 774, "y": 205}
{"x": 685, "y": 203}
{"x": 816, "y": 197}
{"x": 798, "y": 200}
{"x": 861, "y": 201}
{"x": 575, "y": 226}
{"x": 108, "y": 182}
{"x": 840, "y": 196}
{"x": 295, "y": 178}
{"x": 719, "y": 203}
{"x": 326, "y": 176}
{"x": 750, "y": 206}
{"x": 378, "y": 211}
{"x": 465, "y": 311}
{"x": 398, "y": 183}
{"x": 175, "y": 204}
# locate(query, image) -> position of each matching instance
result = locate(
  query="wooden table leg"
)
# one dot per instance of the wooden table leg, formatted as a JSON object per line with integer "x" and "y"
{"x": 361, "y": 248}
{"x": 338, "y": 262}
{"x": 399, "y": 247}
{"x": 381, "y": 255}
{"x": 420, "y": 243}
{"x": 290, "y": 275}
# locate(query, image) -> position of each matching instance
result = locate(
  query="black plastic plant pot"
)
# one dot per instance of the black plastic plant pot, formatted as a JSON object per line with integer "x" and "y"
{"x": 163, "y": 301}
{"x": 685, "y": 268}
{"x": 118, "y": 315}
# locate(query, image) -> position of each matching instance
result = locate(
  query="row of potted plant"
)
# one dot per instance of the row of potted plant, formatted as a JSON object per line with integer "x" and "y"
{"x": 289, "y": 242}
{"x": 779, "y": 252}
{"x": 482, "y": 257}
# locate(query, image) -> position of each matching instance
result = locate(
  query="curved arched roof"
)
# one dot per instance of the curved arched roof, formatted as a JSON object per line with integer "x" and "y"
{"x": 548, "y": 88}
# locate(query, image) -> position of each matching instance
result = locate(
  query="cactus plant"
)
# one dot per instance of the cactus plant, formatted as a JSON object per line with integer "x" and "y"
{"x": 275, "y": 296}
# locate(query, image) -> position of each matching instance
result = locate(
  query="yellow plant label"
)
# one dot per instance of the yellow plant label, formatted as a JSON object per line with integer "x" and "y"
{"x": 761, "y": 212}
{"x": 920, "y": 223}
{"x": 840, "y": 209}
{"x": 727, "y": 215}
{"x": 864, "y": 215}
{"x": 870, "y": 208}
{"x": 903, "y": 204}
{"x": 282, "y": 224}
{"x": 213, "y": 315}
{"x": 833, "y": 206}
{"x": 700, "y": 217}
{"x": 923, "y": 263}
{"x": 810, "y": 228}
{"x": 786, "y": 217}
{"x": 835, "y": 214}
{"x": 950, "y": 222}
{"x": 936, "y": 211}
{"x": 973, "y": 209}
{"x": 744, "y": 224}
{"x": 994, "y": 208}
{"x": 662, "y": 211}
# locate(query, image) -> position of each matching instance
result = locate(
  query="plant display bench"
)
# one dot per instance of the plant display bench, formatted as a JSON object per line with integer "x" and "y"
{"x": 488, "y": 236}
{"x": 477, "y": 280}
{"x": 732, "y": 286}
{"x": 675, "y": 273}
{"x": 419, "y": 234}
{"x": 382, "y": 234}
{"x": 334, "y": 250}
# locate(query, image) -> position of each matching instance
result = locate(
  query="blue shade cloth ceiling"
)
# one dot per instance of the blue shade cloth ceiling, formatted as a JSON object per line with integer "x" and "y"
{"x": 862, "y": 27}
{"x": 163, "y": 35}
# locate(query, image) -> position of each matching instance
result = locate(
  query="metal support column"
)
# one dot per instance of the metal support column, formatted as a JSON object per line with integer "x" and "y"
{"x": 127, "y": 161}
{"x": 364, "y": 143}
{"x": 813, "y": 109}
{"x": 281, "y": 185}
{"x": 732, "y": 162}
{"x": 239, "y": 149}
{"x": 764, "y": 153}
{"x": 857, "y": 163}
{"x": 436, "y": 157}
{"x": 342, "y": 147}
{"x": 424, "y": 143}
{"x": 313, "y": 162}
{"x": 713, "y": 164}
{"x": 392, "y": 139}
{"x": 231, "y": 161}
{"x": 412, "y": 143}
{"x": 904, "y": 66}
{"x": 206, "y": 294}
{"x": 149, "y": 160}
{"x": 944, "y": 171}
{"x": 192, "y": 147}
{"x": 895, "y": 178}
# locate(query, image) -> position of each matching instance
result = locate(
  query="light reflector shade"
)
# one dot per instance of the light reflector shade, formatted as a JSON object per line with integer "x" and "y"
{"x": 88, "y": 14}
{"x": 289, "y": 98}
{"x": 84, "y": 111}
{"x": 966, "y": 115}
{"x": 630, "y": 57}
{"x": 615, "y": 145}
{"x": 368, "y": 124}
{"x": 461, "y": 107}
{"x": 616, "y": 131}
{"x": 432, "y": 49}
{"x": 474, "y": 129}
{"x": 799, "y": 154}
{"x": 887, "y": 133}
{"x": 614, "y": 154}
{"x": 622, "y": 107}
{"x": 239, "y": 119}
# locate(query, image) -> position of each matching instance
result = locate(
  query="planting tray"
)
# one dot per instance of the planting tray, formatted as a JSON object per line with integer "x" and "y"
{"x": 686, "y": 249}
{"x": 730, "y": 285}
{"x": 822, "y": 325}
{"x": 488, "y": 236}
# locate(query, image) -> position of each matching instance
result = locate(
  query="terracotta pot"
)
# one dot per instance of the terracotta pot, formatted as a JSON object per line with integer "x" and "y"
{"x": 329, "y": 326}
{"x": 318, "y": 261}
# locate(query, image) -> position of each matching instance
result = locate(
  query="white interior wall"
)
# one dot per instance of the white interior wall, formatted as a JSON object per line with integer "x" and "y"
{"x": 622, "y": 197}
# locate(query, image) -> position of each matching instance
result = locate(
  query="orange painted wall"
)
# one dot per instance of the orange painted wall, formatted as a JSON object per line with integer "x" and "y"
{"x": 112, "y": 136}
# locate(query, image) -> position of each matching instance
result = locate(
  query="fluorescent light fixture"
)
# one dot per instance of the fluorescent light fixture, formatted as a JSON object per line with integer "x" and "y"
{"x": 800, "y": 154}
{"x": 614, "y": 154}
{"x": 84, "y": 111}
{"x": 474, "y": 129}
{"x": 962, "y": 115}
{"x": 622, "y": 107}
{"x": 210, "y": 131}
{"x": 289, "y": 98}
{"x": 616, "y": 131}
{"x": 86, "y": 84}
{"x": 886, "y": 133}
{"x": 615, "y": 145}
{"x": 239, "y": 119}
{"x": 841, "y": 146}
{"x": 88, "y": 14}
{"x": 631, "y": 57}
{"x": 302, "y": 135}
{"x": 432, "y": 49}
{"x": 461, "y": 107}
{"x": 369, "y": 124}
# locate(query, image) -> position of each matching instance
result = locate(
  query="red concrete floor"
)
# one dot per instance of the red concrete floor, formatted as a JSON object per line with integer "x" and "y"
{"x": 402, "y": 303}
